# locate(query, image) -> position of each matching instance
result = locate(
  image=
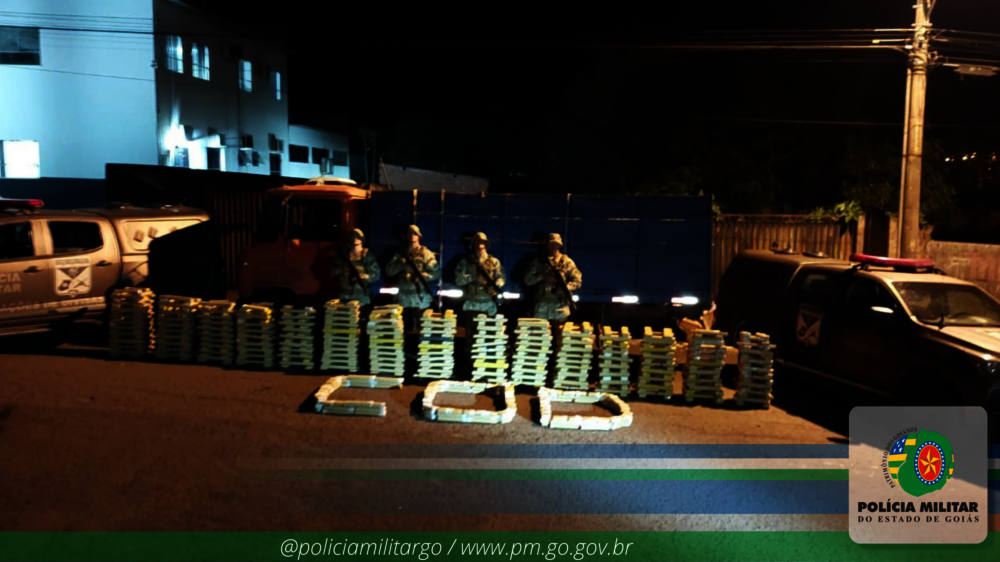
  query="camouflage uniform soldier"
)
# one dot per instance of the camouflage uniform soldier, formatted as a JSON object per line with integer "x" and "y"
{"x": 475, "y": 287}
{"x": 363, "y": 263}
{"x": 412, "y": 295}
{"x": 550, "y": 301}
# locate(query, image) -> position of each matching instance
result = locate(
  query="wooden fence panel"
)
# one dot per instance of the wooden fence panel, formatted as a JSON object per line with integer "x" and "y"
{"x": 736, "y": 233}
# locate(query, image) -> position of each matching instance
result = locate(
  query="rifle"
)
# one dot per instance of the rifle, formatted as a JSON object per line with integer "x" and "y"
{"x": 352, "y": 271}
{"x": 562, "y": 285}
{"x": 418, "y": 274}
{"x": 491, "y": 285}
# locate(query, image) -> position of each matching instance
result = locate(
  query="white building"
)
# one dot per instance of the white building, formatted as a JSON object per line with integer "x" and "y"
{"x": 84, "y": 83}
{"x": 312, "y": 152}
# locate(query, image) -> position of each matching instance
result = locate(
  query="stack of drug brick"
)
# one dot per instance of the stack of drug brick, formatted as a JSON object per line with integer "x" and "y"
{"x": 706, "y": 357}
{"x": 658, "y": 364}
{"x": 574, "y": 357}
{"x": 756, "y": 373}
{"x": 489, "y": 350}
{"x": 131, "y": 322}
{"x": 215, "y": 332}
{"x": 297, "y": 338}
{"x": 256, "y": 332}
{"x": 341, "y": 334}
{"x": 437, "y": 345}
{"x": 385, "y": 344}
{"x": 175, "y": 328}
{"x": 615, "y": 361}
{"x": 531, "y": 357}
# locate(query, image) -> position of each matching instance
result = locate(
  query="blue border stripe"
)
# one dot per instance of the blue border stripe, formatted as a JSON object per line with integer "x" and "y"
{"x": 994, "y": 496}
{"x": 601, "y": 451}
{"x": 994, "y": 452}
{"x": 581, "y": 497}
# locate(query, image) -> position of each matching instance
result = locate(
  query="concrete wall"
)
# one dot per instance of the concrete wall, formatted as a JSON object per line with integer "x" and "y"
{"x": 91, "y": 100}
{"x": 301, "y": 135}
{"x": 218, "y": 103}
{"x": 405, "y": 179}
{"x": 976, "y": 263}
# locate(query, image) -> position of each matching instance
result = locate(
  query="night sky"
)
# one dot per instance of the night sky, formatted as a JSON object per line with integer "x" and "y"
{"x": 537, "y": 91}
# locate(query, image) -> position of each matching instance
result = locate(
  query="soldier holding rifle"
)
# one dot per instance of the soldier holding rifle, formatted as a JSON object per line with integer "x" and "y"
{"x": 554, "y": 277}
{"x": 356, "y": 270}
{"x": 413, "y": 267}
{"x": 481, "y": 277}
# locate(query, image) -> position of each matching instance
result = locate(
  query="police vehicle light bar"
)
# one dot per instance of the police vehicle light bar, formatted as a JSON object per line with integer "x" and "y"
{"x": 625, "y": 299}
{"x": 389, "y": 290}
{"x": 684, "y": 300}
{"x": 512, "y": 296}
{"x": 21, "y": 203}
{"x": 451, "y": 293}
{"x": 890, "y": 262}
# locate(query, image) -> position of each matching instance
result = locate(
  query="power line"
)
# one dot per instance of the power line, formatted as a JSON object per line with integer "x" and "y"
{"x": 78, "y": 73}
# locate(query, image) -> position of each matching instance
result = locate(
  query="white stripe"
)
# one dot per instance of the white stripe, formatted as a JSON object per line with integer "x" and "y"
{"x": 547, "y": 464}
{"x": 677, "y": 522}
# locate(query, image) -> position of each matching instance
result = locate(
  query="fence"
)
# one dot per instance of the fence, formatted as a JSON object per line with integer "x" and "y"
{"x": 735, "y": 233}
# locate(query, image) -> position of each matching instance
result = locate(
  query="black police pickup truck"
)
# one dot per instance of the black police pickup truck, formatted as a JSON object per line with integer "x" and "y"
{"x": 898, "y": 328}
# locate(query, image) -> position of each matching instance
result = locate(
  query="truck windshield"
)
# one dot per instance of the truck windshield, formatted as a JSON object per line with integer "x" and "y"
{"x": 301, "y": 218}
{"x": 950, "y": 304}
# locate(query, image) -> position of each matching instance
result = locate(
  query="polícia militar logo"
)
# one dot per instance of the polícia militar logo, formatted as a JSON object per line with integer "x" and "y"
{"x": 921, "y": 462}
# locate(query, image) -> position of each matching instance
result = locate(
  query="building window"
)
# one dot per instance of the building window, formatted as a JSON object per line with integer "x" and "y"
{"x": 213, "y": 158}
{"x": 246, "y": 76}
{"x": 245, "y": 157}
{"x": 20, "y": 45}
{"x": 339, "y": 158}
{"x": 175, "y": 54}
{"x": 199, "y": 61}
{"x": 274, "y": 144}
{"x": 326, "y": 166}
{"x": 19, "y": 159}
{"x": 298, "y": 154}
{"x": 319, "y": 154}
{"x": 246, "y": 141}
{"x": 256, "y": 158}
{"x": 276, "y": 85}
{"x": 275, "y": 164}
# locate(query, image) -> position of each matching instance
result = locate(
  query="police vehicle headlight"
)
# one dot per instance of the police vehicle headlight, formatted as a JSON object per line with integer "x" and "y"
{"x": 989, "y": 365}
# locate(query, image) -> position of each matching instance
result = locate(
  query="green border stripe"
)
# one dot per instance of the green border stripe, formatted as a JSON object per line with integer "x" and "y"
{"x": 554, "y": 474}
{"x": 993, "y": 474}
{"x": 658, "y": 546}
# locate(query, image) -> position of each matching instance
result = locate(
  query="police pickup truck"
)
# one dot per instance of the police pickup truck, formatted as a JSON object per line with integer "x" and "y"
{"x": 59, "y": 266}
{"x": 898, "y": 328}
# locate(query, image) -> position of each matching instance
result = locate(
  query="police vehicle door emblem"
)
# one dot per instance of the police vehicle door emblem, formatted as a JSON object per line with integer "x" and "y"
{"x": 72, "y": 276}
{"x": 807, "y": 327}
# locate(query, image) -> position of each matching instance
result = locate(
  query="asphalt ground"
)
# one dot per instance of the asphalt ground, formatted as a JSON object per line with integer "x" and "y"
{"x": 93, "y": 444}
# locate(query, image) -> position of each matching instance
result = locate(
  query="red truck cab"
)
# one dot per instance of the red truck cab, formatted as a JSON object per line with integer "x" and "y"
{"x": 301, "y": 230}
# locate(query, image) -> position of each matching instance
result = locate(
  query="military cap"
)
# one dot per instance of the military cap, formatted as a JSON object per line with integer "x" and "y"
{"x": 479, "y": 237}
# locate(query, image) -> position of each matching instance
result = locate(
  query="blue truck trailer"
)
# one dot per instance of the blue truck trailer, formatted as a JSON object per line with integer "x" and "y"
{"x": 641, "y": 257}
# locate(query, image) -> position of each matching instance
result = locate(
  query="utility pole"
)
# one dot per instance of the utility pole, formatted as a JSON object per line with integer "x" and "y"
{"x": 913, "y": 133}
